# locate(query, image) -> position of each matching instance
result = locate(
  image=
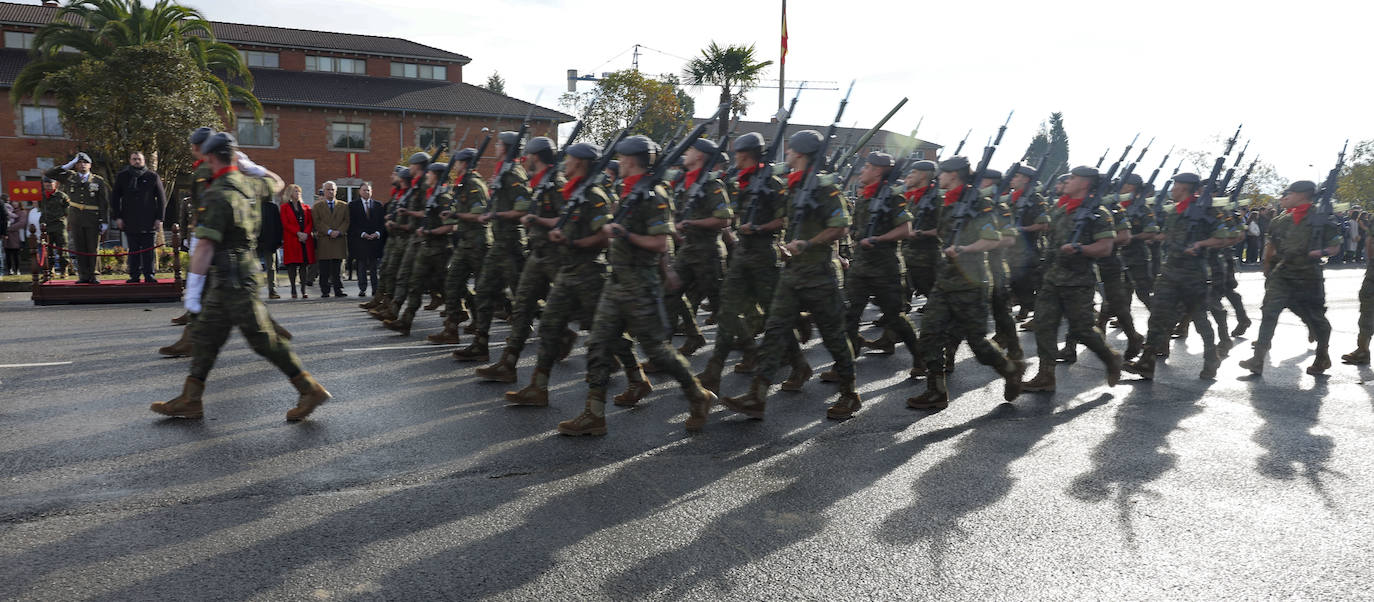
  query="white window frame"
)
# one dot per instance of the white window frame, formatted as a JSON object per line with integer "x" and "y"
{"x": 47, "y": 127}
{"x": 267, "y": 122}
{"x": 334, "y": 136}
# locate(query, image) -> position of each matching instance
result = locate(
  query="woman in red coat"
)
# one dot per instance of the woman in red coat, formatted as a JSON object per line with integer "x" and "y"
{"x": 298, "y": 244}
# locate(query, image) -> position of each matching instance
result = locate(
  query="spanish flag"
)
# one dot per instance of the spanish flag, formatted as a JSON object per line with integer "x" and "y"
{"x": 783, "y": 60}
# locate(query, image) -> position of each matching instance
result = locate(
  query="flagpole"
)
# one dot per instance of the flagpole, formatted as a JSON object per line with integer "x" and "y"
{"x": 782, "y": 57}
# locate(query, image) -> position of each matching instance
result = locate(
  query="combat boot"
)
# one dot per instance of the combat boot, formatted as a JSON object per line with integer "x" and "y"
{"x": 1358, "y": 357}
{"x": 1069, "y": 354}
{"x": 692, "y": 345}
{"x": 951, "y": 353}
{"x": 801, "y": 372}
{"x": 750, "y": 404}
{"x": 849, "y": 402}
{"x": 503, "y": 371}
{"x": 699, "y": 409}
{"x": 186, "y": 405}
{"x": 448, "y": 336}
{"x": 1256, "y": 364}
{"x": 1028, "y": 325}
{"x": 280, "y": 330}
{"x": 312, "y": 395}
{"x": 918, "y": 369}
{"x": 1321, "y": 364}
{"x": 398, "y": 325}
{"x": 1242, "y": 325}
{"x": 1043, "y": 382}
{"x": 372, "y": 303}
{"x": 1210, "y": 363}
{"x": 1011, "y": 376}
{"x": 536, "y": 394}
{"x": 1025, "y": 313}
{"x": 586, "y": 423}
{"x": 1181, "y": 331}
{"x": 183, "y": 319}
{"x": 1014, "y": 351}
{"x": 935, "y": 397}
{"x": 181, "y": 348}
{"x": 830, "y": 376}
{"x": 475, "y": 352}
{"x": 710, "y": 377}
{"x": 1134, "y": 345}
{"x": 1223, "y": 345}
{"x": 649, "y": 367}
{"x": 1143, "y": 367}
{"x": 884, "y": 345}
{"x": 435, "y": 302}
{"x": 567, "y": 341}
{"x": 749, "y": 363}
{"x": 638, "y": 388}
{"x": 1114, "y": 363}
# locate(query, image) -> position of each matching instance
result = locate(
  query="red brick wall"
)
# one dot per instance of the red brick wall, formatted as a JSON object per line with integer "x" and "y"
{"x": 19, "y": 154}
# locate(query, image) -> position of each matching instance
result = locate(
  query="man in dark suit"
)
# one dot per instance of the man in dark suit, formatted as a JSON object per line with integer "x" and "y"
{"x": 366, "y": 222}
{"x": 137, "y": 205}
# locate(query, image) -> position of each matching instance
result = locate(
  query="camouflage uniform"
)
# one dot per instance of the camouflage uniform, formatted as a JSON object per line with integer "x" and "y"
{"x": 541, "y": 267}
{"x": 396, "y": 242}
{"x": 1295, "y": 279}
{"x": 501, "y": 266}
{"x": 471, "y": 242}
{"x": 88, "y": 205}
{"x": 876, "y": 273}
{"x": 1003, "y": 319}
{"x": 1070, "y": 281}
{"x": 922, "y": 254}
{"x": 700, "y": 261}
{"x": 1136, "y": 254}
{"x": 431, "y": 253}
{"x": 1024, "y": 257}
{"x": 53, "y": 218}
{"x": 416, "y": 202}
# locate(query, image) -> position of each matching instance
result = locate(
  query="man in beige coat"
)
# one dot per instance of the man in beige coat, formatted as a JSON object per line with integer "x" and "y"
{"x": 331, "y": 239}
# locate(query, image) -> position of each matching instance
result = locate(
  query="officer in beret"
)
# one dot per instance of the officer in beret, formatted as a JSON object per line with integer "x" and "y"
{"x": 510, "y": 202}
{"x": 752, "y": 274}
{"x": 1111, "y": 269}
{"x": 395, "y": 242}
{"x": 633, "y": 299}
{"x": 810, "y": 281}
{"x": 408, "y": 212}
{"x": 222, "y": 284}
{"x": 1030, "y": 217}
{"x": 1076, "y": 241}
{"x": 86, "y": 213}
{"x": 1181, "y": 287}
{"x": 1294, "y": 281}
{"x": 431, "y": 236}
{"x": 544, "y": 261}
{"x": 578, "y": 239}
{"x": 703, "y": 205}
{"x": 957, "y": 309}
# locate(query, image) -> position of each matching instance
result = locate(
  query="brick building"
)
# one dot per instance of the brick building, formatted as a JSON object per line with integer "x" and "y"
{"x": 336, "y": 106}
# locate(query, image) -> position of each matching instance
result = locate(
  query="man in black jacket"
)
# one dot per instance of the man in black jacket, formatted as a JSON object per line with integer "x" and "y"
{"x": 269, "y": 240}
{"x": 137, "y": 205}
{"x": 366, "y": 222}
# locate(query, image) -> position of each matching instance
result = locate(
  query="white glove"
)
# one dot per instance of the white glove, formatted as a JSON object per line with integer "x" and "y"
{"x": 248, "y": 167}
{"x": 104, "y": 227}
{"x": 70, "y": 164}
{"x": 191, "y": 246}
{"x": 195, "y": 285}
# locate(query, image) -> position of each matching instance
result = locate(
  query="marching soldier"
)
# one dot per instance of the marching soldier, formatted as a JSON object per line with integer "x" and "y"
{"x": 1111, "y": 270}
{"x": 395, "y": 240}
{"x": 1075, "y": 242}
{"x": 53, "y": 218}
{"x": 501, "y": 266}
{"x": 222, "y": 286}
{"x": 1031, "y": 219}
{"x": 957, "y": 309}
{"x": 810, "y": 281}
{"x": 471, "y": 243}
{"x": 89, "y": 202}
{"x": 1004, "y": 322}
{"x": 1181, "y": 287}
{"x": 1293, "y": 276}
{"x": 633, "y": 299}
{"x": 409, "y": 211}
{"x": 699, "y": 262}
{"x": 921, "y": 253}
{"x": 1136, "y": 254}
{"x": 431, "y": 233}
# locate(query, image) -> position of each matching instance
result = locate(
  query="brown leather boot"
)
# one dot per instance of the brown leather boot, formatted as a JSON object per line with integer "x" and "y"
{"x": 281, "y": 331}
{"x": 1114, "y": 364}
{"x": 1043, "y": 381}
{"x": 186, "y": 405}
{"x": 1358, "y": 357}
{"x": 536, "y": 394}
{"x": 699, "y": 409}
{"x": 503, "y": 371}
{"x": 1321, "y": 364}
{"x": 830, "y": 376}
{"x": 1011, "y": 387}
{"x": 586, "y": 423}
{"x": 648, "y": 367}
{"x": 710, "y": 377}
{"x": 692, "y": 345}
{"x": 1143, "y": 367}
{"x": 475, "y": 352}
{"x": 398, "y": 325}
{"x": 312, "y": 395}
{"x": 1223, "y": 346}
{"x": 181, "y": 348}
{"x": 932, "y": 399}
{"x": 634, "y": 392}
{"x": 1210, "y": 363}
{"x": 844, "y": 408}
{"x": 800, "y": 374}
{"x": 750, "y": 404}
{"x": 1256, "y": 363}
{"x": 183, "y": 319}
{"x": 448, "y": 336}
{"x": 918, "y": 369}
{"x": 884, "y": 345}
{"x": 1134, "y": 345}
{"x": 749, "y": 363}
{"x": 435, "y": 302}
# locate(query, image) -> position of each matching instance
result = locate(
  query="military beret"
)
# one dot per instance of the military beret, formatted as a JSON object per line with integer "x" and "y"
{"x": 83, "y": 157}
{"x": 538, "y": 144}
{"x": 437, "y": 167}
{"x": 878, "y": 159}
{"x": 1063, "y": 177}
{"x": 509, "y": 138}
{"x": 420, "y": 158}
{"x": 584, "y": 150}
{"x": 992, "y": 174}
{"x": 636, "y": 145}
{"x": 955, "y": 163}
{"x": 46, "y": 179}
{"x": 1301, "y": 186}
{"x": 1187, "y": 178}
{"x": 705, "y": 145}
{"x": 1083, "y": 171}
{"x": 749, "y": 141}
{"x": 217, "y": 142}
{"x": 613, "y": 165}
{"x": 464, "y": 155}
{"x": 199, "y": 135}
{"x": 404, "y": 173}
{"x": 806, "y": 141}
{"x": 398, "y": 169}
{"x": 1135, "y": 180}
{"x": 924, "y": 166}
{"x": 1027, "y": 171}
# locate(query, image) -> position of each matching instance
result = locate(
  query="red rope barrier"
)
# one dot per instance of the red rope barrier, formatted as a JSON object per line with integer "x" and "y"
{"x": 124, "y": 254}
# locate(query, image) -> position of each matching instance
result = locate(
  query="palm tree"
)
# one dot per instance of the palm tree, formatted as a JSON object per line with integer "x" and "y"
{"x": 734, "y": 68}
{"x": 95, "y": 28}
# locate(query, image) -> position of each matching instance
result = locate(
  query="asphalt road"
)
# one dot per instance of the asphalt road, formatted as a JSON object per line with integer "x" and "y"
{"x": 417, "y": 483}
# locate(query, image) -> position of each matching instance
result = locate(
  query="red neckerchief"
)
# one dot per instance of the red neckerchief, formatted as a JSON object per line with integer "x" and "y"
{"x": 540, "y": 176}
{"x": 197, "y": 163}
{"x": 415, "y": 181}
{"x": 429, "y": 191}
{"x": 691, "y": 178}
{"x": 1126, "y": 204}
{"x": 744, "y": 175}
{"x": 627, "y": 185}
{"x": 1015, "y": 195}
{"x": 915, "y": 195}
{"x": 572, "y": 186}
{"x": 1300, "y": 212}
{"x": 795, "y": 178}
{"x": 953, "y": 195}
{"x": 871, "y": 189}
{"x": 1183, "y": 205}
{"x": 224, "y": 171}
{"x": 1070, "y": 205}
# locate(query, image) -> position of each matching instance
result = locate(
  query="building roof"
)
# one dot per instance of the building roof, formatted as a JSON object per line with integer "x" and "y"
{"x": 332, "y": 90}
{"x": 843, "y": 135}
{"x": 237, "y": 33}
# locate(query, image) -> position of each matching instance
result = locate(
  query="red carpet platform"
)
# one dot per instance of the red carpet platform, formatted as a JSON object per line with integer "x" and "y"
{"x": 62, "y": 292}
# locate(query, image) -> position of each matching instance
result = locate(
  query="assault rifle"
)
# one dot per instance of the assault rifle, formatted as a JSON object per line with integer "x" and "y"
{"x": 645, "y": 186}
{"x": 1115, "y": 187}
{"x": 545, "y": 183}
{"x": 878, "y": 207}
{"x": 439, "y": 185}
{"x": 698, "y": 188}
{"x": 758, "y": 184}
{"x": 596, "y": 173}
{"x": 1240, "y": 184}
{"x": 512, "y": 152}
{"x": 1084, "y": 216}
{"x": 1231, "y": 171}
{"x": 963, "y": 207}
{"x": 1321, "y": 218}
{"x": 1137, "y": 208}
{"x": 1024, "y": 202}
{"x": 805, "y": 200}
{"x": 960, "y": 148}
{"x": 1199, "y": 212}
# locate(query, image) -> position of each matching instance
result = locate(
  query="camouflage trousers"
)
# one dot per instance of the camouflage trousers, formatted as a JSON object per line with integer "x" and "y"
{"x": 920, "y": 270}
{"x": 1054, "y": 304}
{"x": 632, "y": 301}
{"x": 574, "y": 296}
{"x": 1178, "y": 296}
{"x": 464, "y": 265}
{"x": 426, "y": 274}
{"x": 1141, "y": 280}
{"x": 403, "y": 271}
{"x": 813, "y": 288}
{"x": 1026, "y": 280}
{"x": 1366, "y": 319}
{"x": 392, "y": 254}
{"x": 1116, "y": 299}
{"x": 1003, "y": 317}
{"x": 1305, "y": 298}
{"x": 749, "y": 284}
{"x": 500, "y": 269}
{"x": 57, "y": 235}
{"x": 952, "y": 317}
{"x": 884, "y": 288}
{"x": 541, "y": 269}
{"x": 222, "y": 310}
{"x": 700, "y": 273}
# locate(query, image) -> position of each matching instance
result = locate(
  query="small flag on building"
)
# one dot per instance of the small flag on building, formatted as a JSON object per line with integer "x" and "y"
{"x": 352, "y": 165}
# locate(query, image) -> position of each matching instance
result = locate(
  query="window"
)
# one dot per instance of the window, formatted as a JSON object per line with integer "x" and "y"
{"x": 253, "y": 134}
{"x": 349, "y": 136}
{"x": 432, "y": 137}
{"x": 253, "y": 58}
{"x": 18, "y": 39}
{"x": 335, "y": 65}
{"x": 414, "y": 71}
{"x": 42, "y": 121}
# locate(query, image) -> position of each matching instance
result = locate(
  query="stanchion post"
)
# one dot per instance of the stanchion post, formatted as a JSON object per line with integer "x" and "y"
{"x": 176, "y": 253}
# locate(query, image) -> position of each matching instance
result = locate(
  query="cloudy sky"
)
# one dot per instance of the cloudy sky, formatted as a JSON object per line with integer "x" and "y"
{"x": 1183, "y": 72}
